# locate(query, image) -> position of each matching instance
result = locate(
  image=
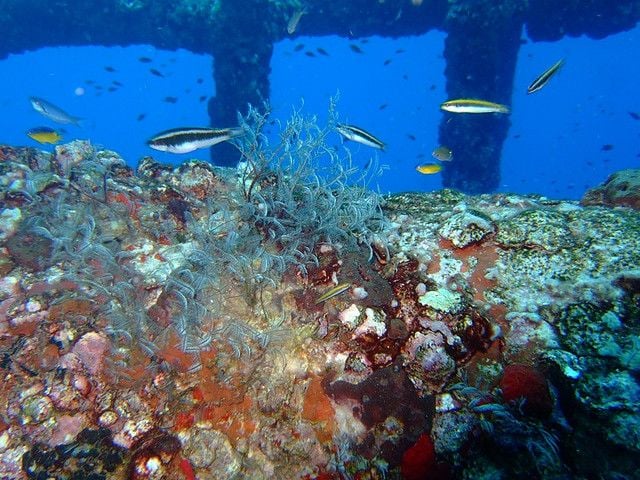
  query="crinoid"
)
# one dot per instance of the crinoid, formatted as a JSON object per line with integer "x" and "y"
{"x": 302, "y": 192}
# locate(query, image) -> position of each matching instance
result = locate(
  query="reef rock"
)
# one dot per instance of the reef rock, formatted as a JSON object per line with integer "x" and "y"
{"x": 621, "y": 189}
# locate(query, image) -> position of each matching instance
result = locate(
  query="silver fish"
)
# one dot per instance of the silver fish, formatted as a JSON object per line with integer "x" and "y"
{"x": 52, "y": 112}
{"x": 185, "y": 140}
{"x": 357, "y": 134}
{"x": 292, "y": 25}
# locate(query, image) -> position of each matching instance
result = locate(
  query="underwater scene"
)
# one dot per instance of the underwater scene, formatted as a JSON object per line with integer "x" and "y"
{"x": 320, "y": 240}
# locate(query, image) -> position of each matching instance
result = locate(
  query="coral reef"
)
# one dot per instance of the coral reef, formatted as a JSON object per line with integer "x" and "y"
{"x": 280, "y": 320}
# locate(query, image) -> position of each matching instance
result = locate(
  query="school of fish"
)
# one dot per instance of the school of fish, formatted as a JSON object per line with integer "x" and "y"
{"x": 183, "y": 140}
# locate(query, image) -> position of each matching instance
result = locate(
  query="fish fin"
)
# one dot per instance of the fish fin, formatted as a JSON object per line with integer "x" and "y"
{"x": 82, "y": 122}
{"x": 238, "y": 131}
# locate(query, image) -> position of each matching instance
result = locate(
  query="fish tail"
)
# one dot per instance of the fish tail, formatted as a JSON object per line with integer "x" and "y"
{"x": 237, "y": 132}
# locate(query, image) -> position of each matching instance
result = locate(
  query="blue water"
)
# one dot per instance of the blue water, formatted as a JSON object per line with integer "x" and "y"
{"x": 555, "y": 146}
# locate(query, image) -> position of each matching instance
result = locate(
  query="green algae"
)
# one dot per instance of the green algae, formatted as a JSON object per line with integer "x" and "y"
{"x": 624, "y": 430}
{"x": 588, "y": 330}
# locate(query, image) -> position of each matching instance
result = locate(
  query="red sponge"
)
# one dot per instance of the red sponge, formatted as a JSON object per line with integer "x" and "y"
{"x": 419, "y": 460}
{"x": 522, "y": 381}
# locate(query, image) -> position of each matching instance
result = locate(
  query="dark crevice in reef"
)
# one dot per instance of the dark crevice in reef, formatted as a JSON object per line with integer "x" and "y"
{"x": 483, "y": 38}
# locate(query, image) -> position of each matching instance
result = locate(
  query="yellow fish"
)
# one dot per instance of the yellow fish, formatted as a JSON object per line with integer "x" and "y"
{"x": 442, "y": 153}
{"x": 473, "y": 105}
{"x": 429, "y": 168}
{"x": 335, "y": 291}
{"x": 44, "y": 135}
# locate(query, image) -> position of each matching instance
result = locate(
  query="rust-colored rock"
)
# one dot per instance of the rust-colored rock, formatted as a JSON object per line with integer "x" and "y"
{"x": 620, "y": 189}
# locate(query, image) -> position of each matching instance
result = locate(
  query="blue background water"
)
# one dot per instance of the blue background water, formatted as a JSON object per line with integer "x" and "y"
{"x": 555, "y": 142}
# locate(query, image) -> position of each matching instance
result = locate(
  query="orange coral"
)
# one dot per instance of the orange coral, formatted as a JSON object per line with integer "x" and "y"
{"x": 486, "y": 255}
{"x": 419, "y": 461}
{"x": 318, "y": 409}
{"x": 522, "y": 382}
{"x": 134, "y": 372}
{"x": 233, "y": 419}
{"x": 175, "y": 356}
{"x": 72, "y": 306}
{"x": 132, "y": 205}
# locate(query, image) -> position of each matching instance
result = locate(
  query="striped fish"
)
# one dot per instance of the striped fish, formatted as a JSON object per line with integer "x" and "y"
{"x": 333, "y": 292}
{"x": 543, "y": 79}
{"x": 473, "y": 105}
{"x": 185, "y": 140}
{"x": 357, "y": 134}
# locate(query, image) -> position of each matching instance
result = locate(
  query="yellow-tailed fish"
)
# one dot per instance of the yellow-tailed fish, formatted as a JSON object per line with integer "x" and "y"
{"x": 294, "y": 20}
{"x": 473, "y": 105}
{"x": 543, "y": 79}
{"x": 52, "y": 112}
{"x": 442, "y": 153}
{"x": 357, "y": 134}
{"x": 429, "y": 168}
{"x": 44, "y": 135}
{"x": 335, "y": 291}
{"x": 185, "y": 140}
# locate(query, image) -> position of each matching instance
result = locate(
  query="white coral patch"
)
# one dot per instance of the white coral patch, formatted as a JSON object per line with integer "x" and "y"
{"x": 9, "y": 220}
{"x": 442, "y": 300}
{"x": 156, "y": 265}
{"x": 349, "y": 316}
{"x": 346, "y": 423}
{"x": 446, "y": 403}
{"x": 373, "y": 324}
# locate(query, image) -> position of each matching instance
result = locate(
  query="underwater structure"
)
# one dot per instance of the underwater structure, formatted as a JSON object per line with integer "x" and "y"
{"x": 483, "y": 38}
